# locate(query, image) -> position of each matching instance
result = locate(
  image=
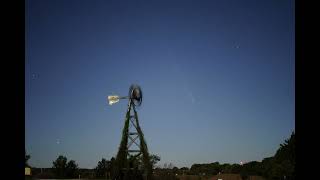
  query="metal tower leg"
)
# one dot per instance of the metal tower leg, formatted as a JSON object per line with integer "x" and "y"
{"x": 126, "y": 154}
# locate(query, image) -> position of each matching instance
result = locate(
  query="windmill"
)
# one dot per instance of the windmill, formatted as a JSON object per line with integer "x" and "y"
{"x": 131, "y": 134}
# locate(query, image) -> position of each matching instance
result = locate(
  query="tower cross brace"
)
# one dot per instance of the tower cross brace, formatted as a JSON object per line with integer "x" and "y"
{"x": 126, "y": 155}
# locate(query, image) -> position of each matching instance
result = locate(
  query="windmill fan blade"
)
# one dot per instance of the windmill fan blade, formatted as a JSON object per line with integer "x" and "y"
{"x": 113, "y": 99}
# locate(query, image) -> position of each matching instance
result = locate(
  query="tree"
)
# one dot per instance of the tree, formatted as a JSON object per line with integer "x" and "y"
{"x": 184, "y": 170}
{"x": 175, "y": 170}
{"x": 60, "y": 166}
{"x": 72, "y": 169}
{"x": 136, "y": 162}
{"x": 287, "y": 150}
{"x": 102, "y": 168}
{"x": 154, "y": 159}
{"x": 284, "y": 159}
{"x": 207, "y": 169}
{"x": 266, "y": 167}
{"x": 252, "y": 168}
{"x": 112, "y": 166}
{"x": 27, "y": 157}
{"x": 235, "y": 168}
{"x": 64, "y": 169}
{"x": 283, "y": 162}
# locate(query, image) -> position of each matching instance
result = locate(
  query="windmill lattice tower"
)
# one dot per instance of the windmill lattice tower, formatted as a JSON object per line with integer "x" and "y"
{"x": 132, "y": 136}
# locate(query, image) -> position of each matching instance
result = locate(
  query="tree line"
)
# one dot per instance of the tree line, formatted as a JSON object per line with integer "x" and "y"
{"x": 64, "y": 169}
{"x": 279, "y": 166}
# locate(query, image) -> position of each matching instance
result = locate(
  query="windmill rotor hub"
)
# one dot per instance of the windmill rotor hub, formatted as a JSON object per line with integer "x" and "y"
{"x": 135, "y": 94}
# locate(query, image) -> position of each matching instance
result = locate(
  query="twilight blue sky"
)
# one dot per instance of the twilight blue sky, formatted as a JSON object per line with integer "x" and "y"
{"x": 217, "y": 77}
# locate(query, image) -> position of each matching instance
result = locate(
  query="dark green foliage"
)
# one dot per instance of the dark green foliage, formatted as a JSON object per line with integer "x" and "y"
{"x": 112, "y": 166}
{"x": 175, "y": 170}
{"x": 281, "y": 165}
{"x": 184, "y": 168}
{"x": 250, "y": 169}
{"x": 137, "y": 162}
{"x": 154, "y": 159}
{"x": 102, "y": 169}
{"x": 235, "y": 168}
{"x": 60, "y": 165}
{"x": 72, "y": 169}
{"x": 205, "y": 169}
{"x": 285, "y": 159}
{"x": 27, "y": 157}
{"x": 134, "y": 174}
{"x": 287, "y": 150}
{"x": 230, "y": 168}
{"x": 62, "y": 169}
{"x": 165, "y": 174}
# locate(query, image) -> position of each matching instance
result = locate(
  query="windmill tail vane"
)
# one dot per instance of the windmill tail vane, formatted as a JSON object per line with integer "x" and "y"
{"x": 114, "y": 99}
